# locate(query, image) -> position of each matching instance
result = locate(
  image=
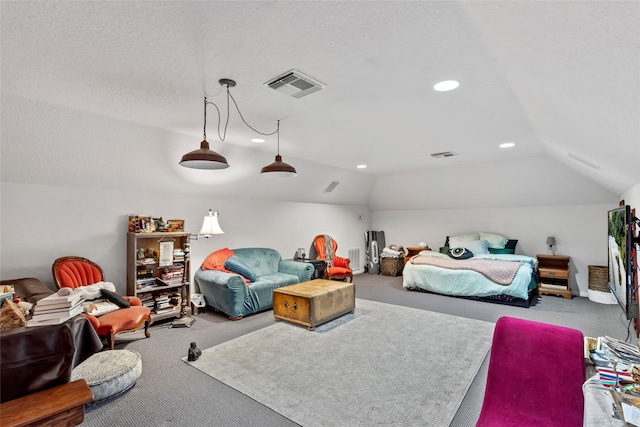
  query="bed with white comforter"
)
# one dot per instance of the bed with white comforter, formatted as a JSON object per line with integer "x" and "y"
{"x": 460, "y": 277}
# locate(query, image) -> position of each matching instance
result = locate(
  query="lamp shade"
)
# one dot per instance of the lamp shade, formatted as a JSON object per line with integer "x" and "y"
{"x": 210, "y": 224}
{"x": 551, "y": 240}
{"x": 279, "y": 168}
{"x": 204, "y": 158}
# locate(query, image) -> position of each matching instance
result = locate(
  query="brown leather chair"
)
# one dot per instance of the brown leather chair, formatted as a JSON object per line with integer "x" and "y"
{"x": 324, "y": 247}
{"x": 73, "y": 272}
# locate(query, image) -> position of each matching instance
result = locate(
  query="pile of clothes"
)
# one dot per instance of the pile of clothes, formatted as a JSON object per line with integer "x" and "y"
{"x": 393, "y": 251}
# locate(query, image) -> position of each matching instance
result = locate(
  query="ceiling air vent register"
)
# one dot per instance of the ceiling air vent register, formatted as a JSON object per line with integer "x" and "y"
{"x": 295, "y": 84}
{"x": 444, "y": 154}
{"x": 331, "y": 187}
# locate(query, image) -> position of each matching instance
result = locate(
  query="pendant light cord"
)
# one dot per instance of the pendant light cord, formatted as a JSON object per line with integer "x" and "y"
{"x": 224, "y": 134}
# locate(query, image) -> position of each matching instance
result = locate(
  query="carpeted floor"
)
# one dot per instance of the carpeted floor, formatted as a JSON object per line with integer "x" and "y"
{"x": 172, "y": 393}
{"x": 383, "y": 365}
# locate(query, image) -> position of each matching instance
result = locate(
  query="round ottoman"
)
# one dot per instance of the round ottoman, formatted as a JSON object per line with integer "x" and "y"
{"x": 109, "y": 373}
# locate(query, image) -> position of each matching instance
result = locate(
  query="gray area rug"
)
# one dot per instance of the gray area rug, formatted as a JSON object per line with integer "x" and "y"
{"x": 382, "y": 365}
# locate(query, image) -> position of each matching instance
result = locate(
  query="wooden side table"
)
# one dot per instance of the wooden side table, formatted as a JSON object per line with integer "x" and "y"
{"x": 415, "y": 250}
{"x": 553, "y": 271}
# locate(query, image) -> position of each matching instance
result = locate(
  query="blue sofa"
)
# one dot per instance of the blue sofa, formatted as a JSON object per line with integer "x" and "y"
{"x": 230, "y": 293}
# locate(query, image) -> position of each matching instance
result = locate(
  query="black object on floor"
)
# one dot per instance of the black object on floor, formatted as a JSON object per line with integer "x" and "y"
{"x": 194, "y": 352}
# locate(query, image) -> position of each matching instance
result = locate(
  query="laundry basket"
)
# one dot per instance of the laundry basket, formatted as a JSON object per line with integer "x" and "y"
{"x": 598, "y": 287}
{"x": 391, "y": 266}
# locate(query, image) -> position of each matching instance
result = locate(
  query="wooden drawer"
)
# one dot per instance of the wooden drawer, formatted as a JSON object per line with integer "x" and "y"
{"x": 313, "y": 303}
{"x": 553, "y": 273}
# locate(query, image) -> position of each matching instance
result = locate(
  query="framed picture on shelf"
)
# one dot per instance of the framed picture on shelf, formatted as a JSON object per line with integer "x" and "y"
{"x": 175, "y": 225}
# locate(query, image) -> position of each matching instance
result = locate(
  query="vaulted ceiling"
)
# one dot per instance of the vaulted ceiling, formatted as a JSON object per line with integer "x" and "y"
{"x": 559, "y": 79}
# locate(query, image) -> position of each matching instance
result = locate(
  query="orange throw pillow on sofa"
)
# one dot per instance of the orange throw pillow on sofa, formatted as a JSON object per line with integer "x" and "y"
{"x": 215, "y": 260}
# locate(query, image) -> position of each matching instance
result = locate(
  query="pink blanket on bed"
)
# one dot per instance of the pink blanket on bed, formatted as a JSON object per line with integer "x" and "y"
{"x": 501, "y": 272}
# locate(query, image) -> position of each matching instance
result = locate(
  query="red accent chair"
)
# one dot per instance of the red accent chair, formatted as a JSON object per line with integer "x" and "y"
{"x": 73, "y": 272}
{"x": 337, "y": 267}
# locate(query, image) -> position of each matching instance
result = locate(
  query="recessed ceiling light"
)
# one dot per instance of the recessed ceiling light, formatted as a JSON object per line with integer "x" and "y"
{"x": 258, "y": 140}
{"x": 507, "y": 145}
{"x": 446, "y": 85}
{"x": 361, "y": 166}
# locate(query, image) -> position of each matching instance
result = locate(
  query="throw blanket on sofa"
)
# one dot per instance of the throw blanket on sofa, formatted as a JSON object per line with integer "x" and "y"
{"x": 328, "y": 248}
{"x": 501, "y": 272}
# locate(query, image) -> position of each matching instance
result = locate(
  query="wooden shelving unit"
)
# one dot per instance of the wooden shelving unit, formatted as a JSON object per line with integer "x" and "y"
{"x": 158, "y": 271}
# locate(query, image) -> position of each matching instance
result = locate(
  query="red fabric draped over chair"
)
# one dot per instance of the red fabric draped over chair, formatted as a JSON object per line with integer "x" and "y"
{"x": 337, "y": 267}
{"x": 74, "y": 272}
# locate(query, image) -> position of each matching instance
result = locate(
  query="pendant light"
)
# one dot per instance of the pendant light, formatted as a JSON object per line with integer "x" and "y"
{"x": 204, "y": 158}
{"x": 279, "y": 168}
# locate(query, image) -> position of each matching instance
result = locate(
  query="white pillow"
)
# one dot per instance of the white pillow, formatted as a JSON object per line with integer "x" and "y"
{"x": 478, "y": 247}
{"x": 495, "y": 240}
{"x": 464, "y": 237}
{"x": 459, "y": 241}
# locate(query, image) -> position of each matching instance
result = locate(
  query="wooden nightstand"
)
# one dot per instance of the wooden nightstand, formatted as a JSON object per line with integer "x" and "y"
{"x": 553, "y": 271}
{"x": 411, "y": 251}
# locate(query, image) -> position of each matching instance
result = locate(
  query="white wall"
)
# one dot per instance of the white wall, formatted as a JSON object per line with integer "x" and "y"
{"x": 40, "y": 223}
{"x": 580, "y": 231}
{"x": 632, "y": 198}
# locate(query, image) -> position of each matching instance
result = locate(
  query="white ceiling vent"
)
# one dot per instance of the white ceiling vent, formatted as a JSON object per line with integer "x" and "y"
{"x": 294, "y": 83}
{"x": 444, "y": 154}
{"x": 331, "y": 186}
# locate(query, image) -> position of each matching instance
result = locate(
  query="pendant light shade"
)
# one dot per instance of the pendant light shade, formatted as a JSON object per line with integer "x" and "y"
{"x": 279, "y": 168}
{"x": 210, "y": 224}
{"x": 204, "y": 158}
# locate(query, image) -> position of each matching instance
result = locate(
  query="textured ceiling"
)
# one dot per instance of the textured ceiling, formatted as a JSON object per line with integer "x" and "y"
{"x": 556, "y": 78}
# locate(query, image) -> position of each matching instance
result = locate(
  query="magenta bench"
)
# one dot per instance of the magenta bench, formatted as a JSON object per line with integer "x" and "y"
{"x": 535, "y": 377}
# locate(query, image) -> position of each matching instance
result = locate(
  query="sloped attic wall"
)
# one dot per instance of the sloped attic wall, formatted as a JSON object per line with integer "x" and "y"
{"x": 50, "y": 144}
{"x": 532, "y": 181}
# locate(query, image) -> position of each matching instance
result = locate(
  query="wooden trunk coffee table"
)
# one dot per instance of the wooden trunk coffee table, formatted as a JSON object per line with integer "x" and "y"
{"x": 314, "y": 303}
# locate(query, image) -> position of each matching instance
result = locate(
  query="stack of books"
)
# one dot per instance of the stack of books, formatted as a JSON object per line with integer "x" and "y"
{"x": 172, "y": 275}
{"x": 162, "y": 304}
{"x": 178, "y": 255}
{"x": 147, "y": 300}
{"x": 56, "y": 309}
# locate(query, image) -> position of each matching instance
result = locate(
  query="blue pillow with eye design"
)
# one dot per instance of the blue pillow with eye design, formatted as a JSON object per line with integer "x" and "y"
{"x": 460, "y": 253}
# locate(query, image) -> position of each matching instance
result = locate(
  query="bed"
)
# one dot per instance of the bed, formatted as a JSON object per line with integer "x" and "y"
{"x": 479, "y": 269}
